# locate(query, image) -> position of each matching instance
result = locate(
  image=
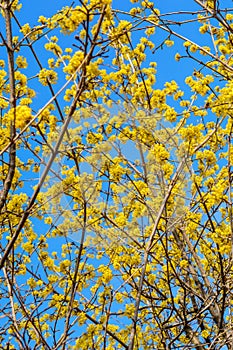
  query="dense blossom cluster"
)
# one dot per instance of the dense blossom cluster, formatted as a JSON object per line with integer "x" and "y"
{"x": 115, "y": 199}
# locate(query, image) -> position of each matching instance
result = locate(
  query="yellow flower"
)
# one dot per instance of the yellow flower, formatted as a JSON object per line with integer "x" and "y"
{"x": 75, "y": 61}
{"x": 158, "y": 153}
{"x": 47, "y": 76}
{"x": 203, "y": 29}
{"x": 177, "y": 57}
{"x": 21, "y": 62}
{"x": 28, "y": 247}
{"x": 229, "y": 16}
{"x": 169, "y": 43}
{"x": 184, "y": 263}
{"x": 224, "y": 49}
{"x": 55, "y": 48}
{"x": 205, "y": 333}
{"x": 31, "y": 282}
{"x": 170, "y": 114}
{"x": 3, "y": 103}
{"x": 186, "y": 44}
{"x": 171, "y": 87}
{"x": 21, "y": 115}
{"x": 193, "y": 48}
{"x": 121, "y": 220}
{"x": 25, "y": 29}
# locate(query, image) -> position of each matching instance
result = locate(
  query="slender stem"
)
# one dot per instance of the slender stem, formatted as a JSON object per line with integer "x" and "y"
{"x": 12, "y": 149}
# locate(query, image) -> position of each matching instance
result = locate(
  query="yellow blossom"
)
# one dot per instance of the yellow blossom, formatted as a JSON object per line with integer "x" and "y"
{"x": 47, "y": 76}
{"x": 21, "y": 62}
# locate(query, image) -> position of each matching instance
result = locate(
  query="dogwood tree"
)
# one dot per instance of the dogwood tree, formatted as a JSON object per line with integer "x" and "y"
{"x": 116, "y": 180}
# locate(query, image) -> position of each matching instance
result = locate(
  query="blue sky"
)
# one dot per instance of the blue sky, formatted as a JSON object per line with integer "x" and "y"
{"x": 168, "y": 69}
